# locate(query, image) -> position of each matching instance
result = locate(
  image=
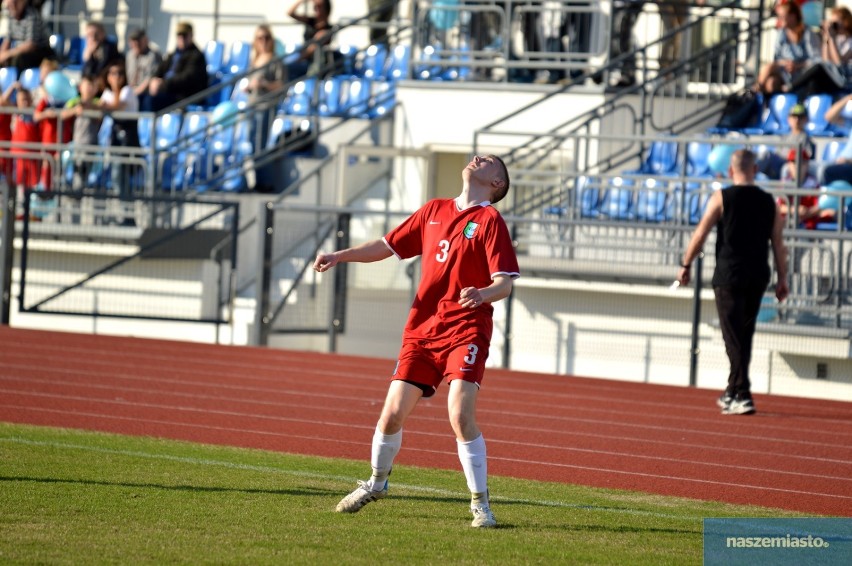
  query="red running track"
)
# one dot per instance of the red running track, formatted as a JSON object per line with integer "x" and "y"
{"x": 793, "y": 454}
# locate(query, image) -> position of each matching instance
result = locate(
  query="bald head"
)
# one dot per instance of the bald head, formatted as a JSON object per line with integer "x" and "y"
{"x": 743, "y": 167}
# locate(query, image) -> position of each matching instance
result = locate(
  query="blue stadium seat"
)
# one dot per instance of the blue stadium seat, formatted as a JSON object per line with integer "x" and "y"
{"x": 299, "y": 98}
{"x": 74, "y": 55}
{"x": 653, "y": 203}
{"x": 429, "y": 71}
{"x": 240, "y": 94}
{"x": 617, "y": 200}
{"x": 330, "y": 91}
{"x": 356, "y": 97}
{"x": 57, "y": 43}
{"x": 238, "y": 58}
{"x": 384, "y": 99}
{"x": 774, "y": 119}
{"x": 372, "y": 62}
{"x": 460, "y": 72}
{"x": 697, "y": 154}
{"x": 30, "y": 79}
{"x": 190, "y": 165}
{"x": 588, "y": 197}
{"x": 214, "y": 53}
{"x": 831, "y": 151}
{"x": 818, "y": 105}
{"x": 99, "y": 174}
{"x": 8, "y": 75}
{"x": 398, "y": 63}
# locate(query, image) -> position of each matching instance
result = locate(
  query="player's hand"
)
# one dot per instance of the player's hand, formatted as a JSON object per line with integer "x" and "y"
{"x": 781, "y": 290}
{"x": 470, "y": 297}
{"x": 684, "y": 276}
{"x": 324, "y": 262}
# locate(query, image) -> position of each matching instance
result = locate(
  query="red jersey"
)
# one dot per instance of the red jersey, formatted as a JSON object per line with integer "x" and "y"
{"x": 49, "y": 127}
{"x": 459, "y": 248}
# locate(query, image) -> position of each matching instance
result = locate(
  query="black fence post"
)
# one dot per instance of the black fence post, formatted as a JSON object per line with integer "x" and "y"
{"x": 7, "y": 250}
{"x": 262, "y": 320}
{"x": 694, "y": 350}
{"x": 341, "y": 274}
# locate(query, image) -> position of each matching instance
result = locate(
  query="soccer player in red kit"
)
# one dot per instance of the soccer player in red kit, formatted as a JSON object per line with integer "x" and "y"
{"x": 468, "y": 262}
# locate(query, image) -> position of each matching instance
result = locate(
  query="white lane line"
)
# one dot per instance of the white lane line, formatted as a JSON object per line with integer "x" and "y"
{"x": 502, "y": 414}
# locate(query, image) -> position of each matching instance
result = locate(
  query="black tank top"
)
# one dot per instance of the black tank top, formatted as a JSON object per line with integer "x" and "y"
{"x": 742, "y": 237}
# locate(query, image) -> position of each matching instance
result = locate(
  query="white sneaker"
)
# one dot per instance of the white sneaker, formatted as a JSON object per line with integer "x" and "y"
{"x": 482, "y": 517}
{"x": 362, "y": 495}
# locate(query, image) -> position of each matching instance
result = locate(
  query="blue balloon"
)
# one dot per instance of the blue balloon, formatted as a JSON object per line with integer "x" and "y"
{"x": 441, "y": 18}
{"x": 59, "y": 87}
{"x": 828, "y": 201}
{"x": 812, "y": 13}
{"x": 720, "y": 158}
{"x": 225, "y": 113}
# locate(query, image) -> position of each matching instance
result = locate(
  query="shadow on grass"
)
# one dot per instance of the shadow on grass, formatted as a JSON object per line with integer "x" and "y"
{"x": 194, "y": 488}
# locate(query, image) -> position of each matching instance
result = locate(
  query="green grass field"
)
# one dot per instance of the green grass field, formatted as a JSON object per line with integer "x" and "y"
{"x": 84, "y": 498}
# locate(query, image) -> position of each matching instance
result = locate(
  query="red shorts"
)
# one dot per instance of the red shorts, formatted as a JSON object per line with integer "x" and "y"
{"x": 426, "y": 364}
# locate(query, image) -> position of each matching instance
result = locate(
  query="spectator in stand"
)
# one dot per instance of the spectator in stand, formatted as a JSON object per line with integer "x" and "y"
{"x": 317, "y": 35}
{"x": 28, "y": 42}
{"x": 381, "y": 12}
{"x": 6, "y": 129}
{"x": 99, "y": 51}
{"x": 796, "y": 48}
{"x": 181, "y": 75}
{"x": 772, "y": 163}
{"x": 86, "y": 125}
{"x": 142, "y": 63}
{"x": 46, "y": 115}
{"x": 837, "y": 41}
{"x": 25, "y": 131}
{"x": 625, "y": 13}
{"x": 841, "y": 169}
{"x": 809, "y": 213}
{"x": 268, "y": 75}
{"x": 674, "y": 14}
{"x": 118, "y": 96}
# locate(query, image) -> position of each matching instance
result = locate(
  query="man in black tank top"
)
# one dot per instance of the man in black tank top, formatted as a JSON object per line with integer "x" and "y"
{"x": 747, "y": 221}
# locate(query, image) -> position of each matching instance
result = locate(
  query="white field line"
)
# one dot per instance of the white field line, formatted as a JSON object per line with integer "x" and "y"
{"x": 343, "y": 479}
{"x": 513, "y": 460}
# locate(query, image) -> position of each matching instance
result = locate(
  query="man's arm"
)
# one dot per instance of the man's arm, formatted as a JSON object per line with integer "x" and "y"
{"x": 375, "y": 250}
{"x": 833, "y": 114}
{"x": 779, "y": 251}
{"x": 710, "y": 218}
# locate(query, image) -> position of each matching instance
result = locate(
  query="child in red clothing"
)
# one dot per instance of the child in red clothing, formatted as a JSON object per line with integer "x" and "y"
{"x": 25, "y": 130}
{"x": 6, "y": 131}
{"x": 46, "y": 116}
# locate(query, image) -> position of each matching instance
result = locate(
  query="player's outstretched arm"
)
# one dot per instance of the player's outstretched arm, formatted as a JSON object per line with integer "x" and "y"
{"x": 365, "y": 253}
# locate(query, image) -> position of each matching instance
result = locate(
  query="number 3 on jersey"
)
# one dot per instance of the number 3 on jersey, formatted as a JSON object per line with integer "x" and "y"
{"x": 470, "y": 358}
{"x": 444, "y": 246}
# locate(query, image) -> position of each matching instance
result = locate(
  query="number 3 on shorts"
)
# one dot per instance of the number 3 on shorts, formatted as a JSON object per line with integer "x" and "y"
{"x": 470, "y": 358}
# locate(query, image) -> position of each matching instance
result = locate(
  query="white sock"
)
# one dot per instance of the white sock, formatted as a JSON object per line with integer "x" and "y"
{"x": 473, "y": 461}
{"x": 385, "y": 449}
